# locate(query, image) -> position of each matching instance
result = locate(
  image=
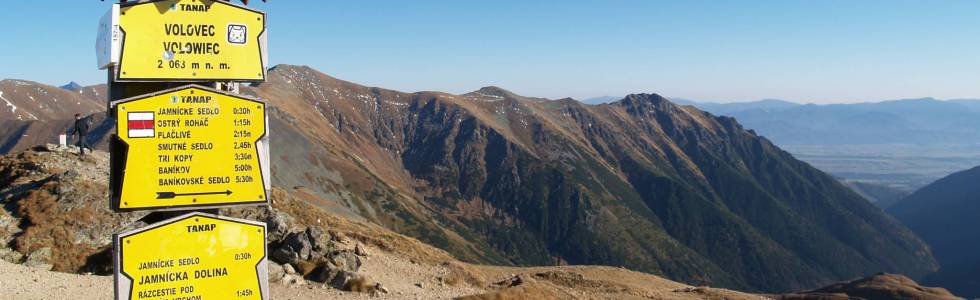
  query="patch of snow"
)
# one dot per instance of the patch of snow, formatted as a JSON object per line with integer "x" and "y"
{"x": 490, "y": 96}
{"x": 13, "y": 108}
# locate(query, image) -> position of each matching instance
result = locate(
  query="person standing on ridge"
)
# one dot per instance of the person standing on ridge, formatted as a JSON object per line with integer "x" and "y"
{"x": 81, "y": 129}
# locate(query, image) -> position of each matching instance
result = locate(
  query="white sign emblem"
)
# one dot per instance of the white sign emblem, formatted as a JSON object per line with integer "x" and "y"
{"x": 237, "y": 34}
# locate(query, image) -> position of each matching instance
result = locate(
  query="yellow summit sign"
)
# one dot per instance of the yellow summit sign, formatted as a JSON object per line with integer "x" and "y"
{"x": 195, "y": 256}
{"x": 189, "y": 147}
{"x": 191, "y": 40}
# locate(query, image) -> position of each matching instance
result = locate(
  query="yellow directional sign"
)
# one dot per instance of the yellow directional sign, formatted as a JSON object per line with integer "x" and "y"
{"x": 189, "y": 147}
{"x": 191, "y": 40}
{"x": 195, "y": 256}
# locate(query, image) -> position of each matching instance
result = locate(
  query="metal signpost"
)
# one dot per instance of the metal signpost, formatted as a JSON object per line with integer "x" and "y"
{"x": 186, "y": 140}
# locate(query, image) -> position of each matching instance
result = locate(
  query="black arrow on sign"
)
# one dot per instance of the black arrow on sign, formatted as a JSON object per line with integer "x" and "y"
{"x": 171, "y": 195}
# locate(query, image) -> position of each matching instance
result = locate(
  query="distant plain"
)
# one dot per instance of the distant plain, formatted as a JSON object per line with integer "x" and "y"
{"x": 901, "y": 166}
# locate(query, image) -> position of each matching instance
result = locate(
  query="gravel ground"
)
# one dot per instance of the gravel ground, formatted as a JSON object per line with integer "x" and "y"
{"x": 20, "y": 282}
{"x": 399, "y": 276}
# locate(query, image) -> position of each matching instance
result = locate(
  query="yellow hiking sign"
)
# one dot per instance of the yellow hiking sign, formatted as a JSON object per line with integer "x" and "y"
{"x": 189, "y": 147}
{"x": 191, "y": 40}
{"x": 194, "y": 256}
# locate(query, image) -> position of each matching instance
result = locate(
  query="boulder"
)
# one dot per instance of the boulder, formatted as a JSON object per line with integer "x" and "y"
{"x": 304, "y": 267}
{"x": 293, "y": 280}
{"x": 277, "y": 225}
{"x": 40, "y": 258}
{"x": 346, "y": 261}
{"x": 337, "y": 237}
{"x": 298, "y": 242}
{"x": 276, "y": 272}
{"x": 284, "y": 256}
{"x": 342, "y": 280}
{"x": 324, "y": 273}
{"x": 360, "y": 251}
{"x": 319, "y": 241}
{"x": 288, "y": 269}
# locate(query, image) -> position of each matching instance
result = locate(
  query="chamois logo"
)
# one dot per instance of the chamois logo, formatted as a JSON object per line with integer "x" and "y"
{"x": 237, "y": 34}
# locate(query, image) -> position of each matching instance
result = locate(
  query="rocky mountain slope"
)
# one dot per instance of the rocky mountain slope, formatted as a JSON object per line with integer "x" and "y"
{"x": 32, "y": 113}
{"x": 26, "y": 101}
{"x": 946, "y": 214}
{"x": 54, "y": 216}
{"x": 498, "y": 178}
{"x": 495, "y": 177}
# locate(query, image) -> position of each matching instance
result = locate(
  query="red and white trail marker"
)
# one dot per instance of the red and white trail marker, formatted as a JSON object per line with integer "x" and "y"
{"x": 140, "y": 124}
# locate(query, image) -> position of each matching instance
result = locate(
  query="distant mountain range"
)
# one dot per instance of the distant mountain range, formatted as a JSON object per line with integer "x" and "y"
{"x": 601, "y": 100}
{"x": 906, "y": 121}
{"x": 947, "y": 215}
{"x": 766, "y": 105}
{"x": 72, "y": 86}
{"x": 499, "y": 178}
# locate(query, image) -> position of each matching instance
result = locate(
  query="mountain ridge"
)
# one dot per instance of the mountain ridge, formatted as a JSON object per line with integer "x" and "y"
{"x": 470, "y": 161}
{"x": 505, "y": 179}
{"x": 944, "y": 214}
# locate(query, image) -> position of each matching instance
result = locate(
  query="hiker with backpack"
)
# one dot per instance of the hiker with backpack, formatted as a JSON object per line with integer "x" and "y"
{"x": 81, "y": 129}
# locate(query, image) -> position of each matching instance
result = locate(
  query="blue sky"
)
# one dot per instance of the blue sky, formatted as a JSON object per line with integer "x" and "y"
{"x": 807, "y": 51}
